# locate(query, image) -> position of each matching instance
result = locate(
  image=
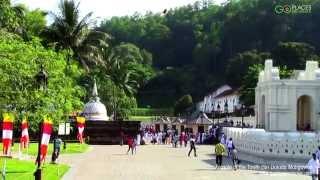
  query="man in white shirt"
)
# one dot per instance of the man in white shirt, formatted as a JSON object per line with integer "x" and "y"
{"x": 313, "y": 166}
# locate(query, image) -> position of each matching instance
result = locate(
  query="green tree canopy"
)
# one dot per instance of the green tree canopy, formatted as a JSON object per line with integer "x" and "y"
{"x": 239, "y": 65}
{"x": 293, "y": 54}
{"x": 35, "y": 22}
{"x": 19, "y": 63}
{"x": 11, "y": 17}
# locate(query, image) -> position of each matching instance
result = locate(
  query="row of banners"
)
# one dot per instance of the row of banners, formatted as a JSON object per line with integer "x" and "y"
{"x": 7, "y": 133}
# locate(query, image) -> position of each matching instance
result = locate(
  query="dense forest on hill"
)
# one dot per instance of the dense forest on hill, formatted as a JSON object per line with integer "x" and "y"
{"x": 201, "y": 46}
{"x": 161, "y": 60}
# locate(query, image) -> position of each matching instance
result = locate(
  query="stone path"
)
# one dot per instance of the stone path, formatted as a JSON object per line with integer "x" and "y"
{"x": 160, "y": 162}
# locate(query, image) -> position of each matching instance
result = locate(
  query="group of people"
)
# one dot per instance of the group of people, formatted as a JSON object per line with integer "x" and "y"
{"x": 150, "y": 136}
{"x": 169, "y": 136}
{"x": 173, "y": 137}
{"x": 226, "y": 147}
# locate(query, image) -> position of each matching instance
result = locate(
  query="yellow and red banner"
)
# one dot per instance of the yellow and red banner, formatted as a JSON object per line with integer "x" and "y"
{"x": 24, "y": 140}
{"x": 7, "y": 131}
{"x": 45, "y": 138}
{"x": 80, "y": 124}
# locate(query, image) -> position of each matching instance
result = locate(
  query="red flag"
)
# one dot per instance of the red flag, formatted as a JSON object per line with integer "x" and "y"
{"x": 80, "y": 124}
{"x": 46, "y": 133}
{"x": 24, "y": 140}
{"x": 7, "y": 130}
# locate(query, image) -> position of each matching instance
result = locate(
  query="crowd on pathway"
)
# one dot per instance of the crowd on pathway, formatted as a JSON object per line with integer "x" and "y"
{"x": 223, "y": 146}
{"x": 148, "y": 135}
{"x": 171, "y": 136}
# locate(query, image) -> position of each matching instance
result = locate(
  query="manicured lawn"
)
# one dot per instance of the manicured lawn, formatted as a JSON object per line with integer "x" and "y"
{"x": 23, "y": 170}
{"x": 141, "y": 118}
{"x": 33, "y": 148}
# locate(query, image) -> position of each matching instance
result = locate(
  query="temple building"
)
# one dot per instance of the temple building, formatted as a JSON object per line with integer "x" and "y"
{"x": 288, "y": 104}
{"x": 199, "y": 123}
{"x": 94, "y": 110}
{"x": 287, "y": 114}
{"x": 218, "y": 99}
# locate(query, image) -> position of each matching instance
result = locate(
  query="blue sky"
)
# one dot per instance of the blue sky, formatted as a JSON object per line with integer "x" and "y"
{"x": 108, "y": 8}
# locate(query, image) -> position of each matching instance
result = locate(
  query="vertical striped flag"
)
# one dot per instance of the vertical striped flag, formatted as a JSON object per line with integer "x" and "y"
{"x": 24, "y": 140}
{"x": 46, "y": 133}
{"x": 80, "y": 124}
{"x": 7, "y": 131}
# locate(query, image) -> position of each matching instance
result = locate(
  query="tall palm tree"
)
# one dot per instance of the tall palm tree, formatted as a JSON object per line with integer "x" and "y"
{"x": 71, "y": 33}
{"x": 119, "y": 71}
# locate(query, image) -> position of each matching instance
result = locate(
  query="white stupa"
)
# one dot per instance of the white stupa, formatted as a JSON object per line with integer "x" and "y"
{"x": 94, "y": 110}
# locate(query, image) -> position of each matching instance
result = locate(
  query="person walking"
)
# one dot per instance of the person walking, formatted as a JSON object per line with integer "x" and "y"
{"x": 180, "y": 139}
{"x": 229, "y": 146}
{"x": 159, "y": 137}
{"x": 167, "y": 136}
{"x": 175, "y": 139}
{"x": 223, "y": 139}
{"x": 138, "y": 139}
{"x": 313, "y": 167}
{"x": 56, "y": 149}
{"x": 220, "y": 151}
{"x": 318, "y": 157}
{"x": 192, "y": 146}
{"x": 134, "y": 146}
{"x": 130, "y": 142}
{"x": 122, "y": 137}
{"x": 318, "y": 153}
{"x": 185, "y": 139}
{"x": 234, "y": 158}
{"x": 154, "y": 138}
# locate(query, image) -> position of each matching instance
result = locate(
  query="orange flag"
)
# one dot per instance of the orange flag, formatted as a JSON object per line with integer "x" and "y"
{"x": 24, "y": 140}
{"x": 46, "y": 133}
{"x": 7, "y": 131}
{"x": 80, "y": 123}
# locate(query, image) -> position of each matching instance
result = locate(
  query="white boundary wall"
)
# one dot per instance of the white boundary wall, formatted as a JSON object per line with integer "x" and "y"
{"x": 298, "y": 145}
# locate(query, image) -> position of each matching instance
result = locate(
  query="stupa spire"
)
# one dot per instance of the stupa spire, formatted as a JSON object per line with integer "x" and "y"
{"x": 95, "y": 90}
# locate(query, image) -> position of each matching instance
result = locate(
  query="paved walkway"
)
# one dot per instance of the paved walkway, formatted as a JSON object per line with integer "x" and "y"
{"x": 160, "y": 162}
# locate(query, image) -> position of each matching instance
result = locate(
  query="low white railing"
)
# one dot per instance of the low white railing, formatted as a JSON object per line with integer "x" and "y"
{"x": 274, "y": 144}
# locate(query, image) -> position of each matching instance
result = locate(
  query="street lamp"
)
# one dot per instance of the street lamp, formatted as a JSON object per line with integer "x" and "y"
{"x": 42, "y": 82}
{"x": 242, "y": 113}
{"x": 226, "y": 109}
{"x": 218, "y": 109}
{"x": 114, "y": 104}
{"x": 42, "y": 79}
{"x": 212, "y": 114}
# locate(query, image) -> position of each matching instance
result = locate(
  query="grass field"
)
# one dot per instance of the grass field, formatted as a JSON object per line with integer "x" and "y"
{"x": 33, "y": 148}
{"x": 141, "y": 118}
{"x": 23, "y": 170}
